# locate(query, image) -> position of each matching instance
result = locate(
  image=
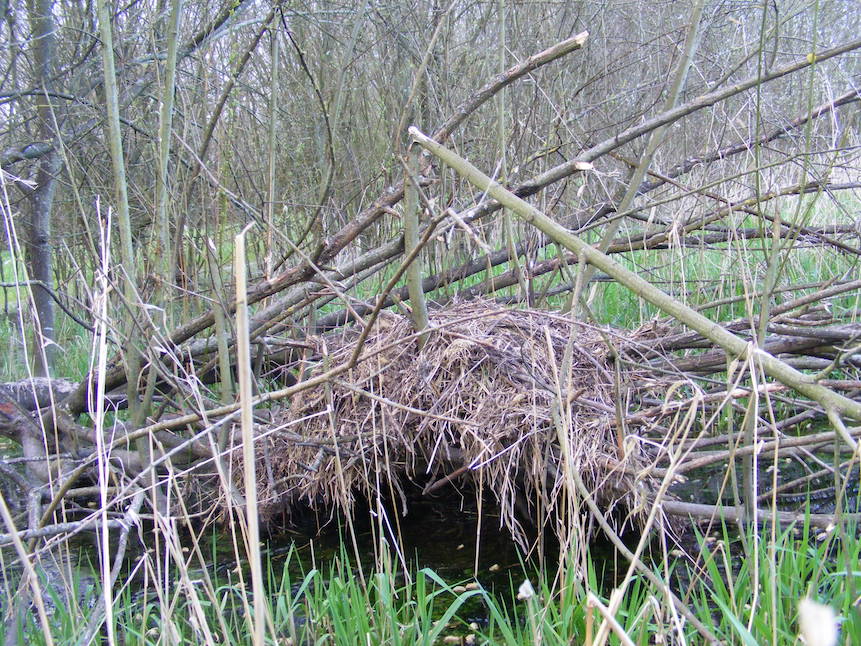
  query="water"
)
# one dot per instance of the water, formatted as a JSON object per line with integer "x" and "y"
{"x": 436, "y": 534}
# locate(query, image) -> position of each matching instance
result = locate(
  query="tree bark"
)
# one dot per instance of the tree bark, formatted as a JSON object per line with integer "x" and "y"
{"x": 42, "y": 198}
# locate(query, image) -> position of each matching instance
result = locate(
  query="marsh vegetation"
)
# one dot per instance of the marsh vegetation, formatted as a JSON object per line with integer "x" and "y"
{"x": 578, "y": 277}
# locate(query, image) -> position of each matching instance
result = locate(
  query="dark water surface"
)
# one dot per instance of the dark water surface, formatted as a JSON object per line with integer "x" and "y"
{"x": 449, "y": 537}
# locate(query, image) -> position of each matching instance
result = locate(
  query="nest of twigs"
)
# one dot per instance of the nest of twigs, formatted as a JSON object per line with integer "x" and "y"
{"x": 483, "y": 404}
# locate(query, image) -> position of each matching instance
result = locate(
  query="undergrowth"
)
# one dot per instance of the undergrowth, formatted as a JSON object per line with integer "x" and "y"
{"x": 745, "y": 587}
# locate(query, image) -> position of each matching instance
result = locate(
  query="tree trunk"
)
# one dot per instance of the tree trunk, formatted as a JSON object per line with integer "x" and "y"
{"x": 42, "y": 198}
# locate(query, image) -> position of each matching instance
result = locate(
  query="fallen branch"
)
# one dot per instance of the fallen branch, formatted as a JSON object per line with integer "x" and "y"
{"x": 737, "y": 514}
{"x": 731, "y": 344}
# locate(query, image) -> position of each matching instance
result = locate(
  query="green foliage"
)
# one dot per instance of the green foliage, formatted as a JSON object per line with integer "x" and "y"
{"x": 317, "y": 608}
{"x": 751, "y": 585}
{"x": 747, "y": 588}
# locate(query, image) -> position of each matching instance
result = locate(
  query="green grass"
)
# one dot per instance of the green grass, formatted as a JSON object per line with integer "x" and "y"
{"x": 73, "y": 347}
{"x": 749, "y": 599}
{"x": 701, "y": 277}
{"x": 758, "y": 595}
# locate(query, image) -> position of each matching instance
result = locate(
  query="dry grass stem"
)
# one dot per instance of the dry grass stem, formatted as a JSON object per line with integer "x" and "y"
{"x": 479, "y": 397}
